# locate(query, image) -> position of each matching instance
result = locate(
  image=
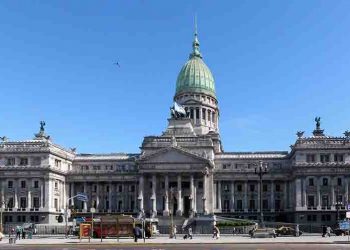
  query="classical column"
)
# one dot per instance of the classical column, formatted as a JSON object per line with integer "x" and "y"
{"x": 285, "y": 195}
{"x": 166, "y": 196}
{"x": 140, "y": 196}
{"x": 258, "y": 204}
{"x": 318, "y": 196}
{"x": 332, "y": 192}
{"x": 195, "y": 200}
{"x": 110, "y": 197}
{"x": 42, "y": 195}
{"x": 298, "y": 203}
{"x": 192, "y": 196}
{"x": 246, "y": 196}
{"x": 179, "y": 196}
{"x": 272, "y": 198}
{"x": 48, "y": 190}
{"x": 29, "y": 199}
{"x": 219, "y": 196}
{"x": 15, "y": 186}
{"x": 346, "y": 194}
{"x": 154, "y": 195}
{"x": 2, "y": 205}
{"x": 72, "y": 193}
{"x": 232, "y": 196}
{"x": 304, "y": 193}
{"x": 85, "y": 203}
{"x": 97, "y": 196}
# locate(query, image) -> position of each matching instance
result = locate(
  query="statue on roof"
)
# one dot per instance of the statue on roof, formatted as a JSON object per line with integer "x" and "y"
{"x": 347, "y": 134}
{"x": 4, "y": 138}
{"x": 300, "y": 134}
{"x": 318, "y": 122}
{"x": 42, "y": 126}
{"x": 177, "y": 111}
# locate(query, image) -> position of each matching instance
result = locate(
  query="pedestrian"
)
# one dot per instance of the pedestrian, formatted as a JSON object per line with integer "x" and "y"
{"x": 174, "y": 232}
{"x": 216, "y": 232}
{"x": 324, "y": 231}
{"x": 23, "y": 234}
{"x": 135, "y": 232}
{"x": 329, "y": 231}
{"x": 234, "y": 231}
{"x": 297, "y": 231}
{"x": 190, "y": 232}
{"x": 18, "y": 232}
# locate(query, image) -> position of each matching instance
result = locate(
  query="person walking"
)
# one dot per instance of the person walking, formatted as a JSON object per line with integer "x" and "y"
{"x": 135, "y": 232}
{"x": 174, "y": 232}
{"x": 297, "y": 231}
{"x": 18, "y": 232}
{"x": 216, "y": 232}
{"x": 329, "y": 231}
{"x": 190, "y": 233}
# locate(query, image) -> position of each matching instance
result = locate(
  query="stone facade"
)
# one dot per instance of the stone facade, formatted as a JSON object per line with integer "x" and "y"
{"x": 184, "y": 172}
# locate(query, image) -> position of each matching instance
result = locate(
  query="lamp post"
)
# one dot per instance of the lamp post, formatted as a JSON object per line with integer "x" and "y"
{"x": 260, "y": 171}
{"x": 171, "y": 212}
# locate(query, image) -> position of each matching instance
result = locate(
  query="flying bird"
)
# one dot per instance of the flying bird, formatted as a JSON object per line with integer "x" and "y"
{"x": 117, "y": 64}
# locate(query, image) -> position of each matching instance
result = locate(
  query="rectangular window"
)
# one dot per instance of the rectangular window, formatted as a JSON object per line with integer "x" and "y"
{"x": 251, "y": 204}
{"x": 278, "y": 188}
{"x": 10, "y": 202}
{"x": 23, "y": 161}
{"x": 107, "y": 189}
{"x": 325, "y": 181}
{"x": 310, "y": 158}
{"x": 200, "y": 184}
{"x": 324, "y": 158}
{"x": 338, "y": 157}
{"x": 133, "y": 188}
{"x": 252, "y": 188}
{"x": 264, "y": 188}
{"x": 57, "y": 163}
{"x": 10, "y": 161}
{"x": 203, "y": 114}
{"x": 23, "y": 184}
{"x": 56, "y": 185}
{"x": 23, "y": 202}
{"x": 265, "y": 204}
{"x": 197, "y": 113}
{"x": 56, "y": 204}
{"x": 239, "y": 188}
{"x": 191, "y": 113}
{"x": 36, "y": 184}
{"x": 120, "y": 188}
{"x": 310, "y": 201}
{"x": 277, "y": 204}
{"x": 239, "y": 204}
{"x": 325, "y": 201}
{"x": 36, "y": 202}
{"x": 226, "y": 189}
{"x": 311, "y": 182}
{"x": 10, "y": 184}
{"x": 339, "y": 181}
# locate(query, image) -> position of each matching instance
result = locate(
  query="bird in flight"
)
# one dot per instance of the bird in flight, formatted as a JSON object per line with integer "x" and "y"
{"x": 117, "y": 64}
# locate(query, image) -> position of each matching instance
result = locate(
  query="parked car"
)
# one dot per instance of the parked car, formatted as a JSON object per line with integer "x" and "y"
{"x": 283, "y": 231}
{"x": 262, "y": 233}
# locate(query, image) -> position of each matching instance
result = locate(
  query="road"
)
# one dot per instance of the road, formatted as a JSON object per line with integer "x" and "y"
{"x": 275, "y": 246}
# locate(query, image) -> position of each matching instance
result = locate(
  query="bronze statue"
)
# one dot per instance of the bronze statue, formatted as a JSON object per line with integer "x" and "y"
{"x": 300, "y": 134}
{"x": 318, "y": 122}
{"x": 42, "y": 125}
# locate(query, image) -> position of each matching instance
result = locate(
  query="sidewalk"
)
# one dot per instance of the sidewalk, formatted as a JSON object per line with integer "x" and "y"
{"x": 225, "y": 239}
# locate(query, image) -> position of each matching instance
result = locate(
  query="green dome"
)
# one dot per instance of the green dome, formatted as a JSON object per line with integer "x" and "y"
{"x": 195, "y": 76}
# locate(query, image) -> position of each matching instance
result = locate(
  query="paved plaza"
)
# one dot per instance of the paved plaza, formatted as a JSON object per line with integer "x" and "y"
{"x": 203, "y": 239}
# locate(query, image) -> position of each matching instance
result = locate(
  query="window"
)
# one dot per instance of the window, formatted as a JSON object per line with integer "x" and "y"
{"x": 120, "y": 188}
{"x": 277, "y": 204}
{"x": 239, "y": 188}
{"x": 10, "y": 161}
{"x": 324, "y": 157}
{"x": 185, "y": 184}
{"x": 278, "y": 188}
{"x": 107, "y": 189}
{"x": 325, "y": 201}
{"x": 339, "y": 181}
{"x": 23, "y": 161}
{"x": 56, "y": 204}
{"x": 10, "y": 184}
{"x": 310, "y": 201}
{"x": 197, "y": 113}
{"x": 312, "y": 217}
{"x": 264, "y": 188}
{"x": 10, "y": 202}
{"x": 226, "y": 166}
{"x": 203, "y": 114}
{"x": 57, "y": 163}
{"x": 265, "y": 204}
{"x": 23, "y": 184}
{"x": 325, "y": 182}
{"x": 56, "y": 185}
{"x": 252, "y": 188}
{"x": 23, "y": 202}
{"x": 239, "y": 204}
{"x": 191, "y": 113}
{"x": 209, "y": 112}
{"x": 326, "y": 217}
{"x": 200, "y": 184}
{"x": 133, "y": 188}
{"x": 311, "y": 182}
{"x": 213, "y": 117}
{"x": 338, "y": 157}
{"x": 36, "y": 202}
{"x": 36, "y": 184}
{"x": 95, "y": 188}
{"x": 310, "y": 158}
{"x": 150, "y": 185}
{"x": 226, "y": 189}
{"x": 251, "y": 204}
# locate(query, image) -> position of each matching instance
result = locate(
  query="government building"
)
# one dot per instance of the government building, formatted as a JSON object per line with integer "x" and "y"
{"x": 183, "y": 171}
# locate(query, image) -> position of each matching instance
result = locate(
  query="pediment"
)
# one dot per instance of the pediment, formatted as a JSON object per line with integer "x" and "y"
{"x": 173, "y": 155}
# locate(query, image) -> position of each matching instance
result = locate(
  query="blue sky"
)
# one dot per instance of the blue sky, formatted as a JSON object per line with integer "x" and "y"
{"x": 276, "y": 64}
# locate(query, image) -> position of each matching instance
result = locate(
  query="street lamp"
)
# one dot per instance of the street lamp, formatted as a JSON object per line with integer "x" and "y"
{"x": 261, "y": 170}
{"x": 171, "y": 235}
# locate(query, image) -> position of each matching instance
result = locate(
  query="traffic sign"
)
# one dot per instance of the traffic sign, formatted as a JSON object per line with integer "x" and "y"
{"x": 344, "y": 225}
